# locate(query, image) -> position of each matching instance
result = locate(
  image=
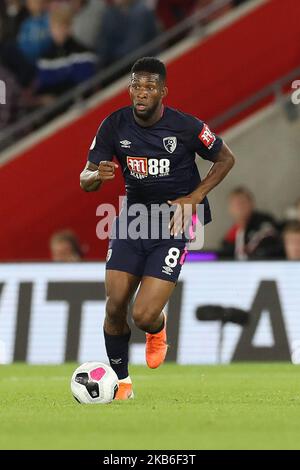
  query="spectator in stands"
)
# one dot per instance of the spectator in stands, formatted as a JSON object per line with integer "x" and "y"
{"x": 67, "y": 63}
{"x": 65, "y": 247}
{"x": 12, "y": 14}
{"x": 87, "y": 21}
{"x": 12, "y": 107}
{"x": 254, "y": 234}
{"x": 126, "y": 25}
{"x": 292, "y": 213}
{"x": 13, "y": 59}
{"x": 34, "y": 38}
{"x": 297, "y": 205}
{"x": 291, "y": 240}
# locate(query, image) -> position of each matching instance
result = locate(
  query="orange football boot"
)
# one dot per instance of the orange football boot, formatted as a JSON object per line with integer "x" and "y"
{"x": 124, "y": 392}
{"x": 156, "y": 347}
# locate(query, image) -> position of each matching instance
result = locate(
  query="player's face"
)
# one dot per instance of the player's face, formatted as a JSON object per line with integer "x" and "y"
{"x": 146, "y": 93}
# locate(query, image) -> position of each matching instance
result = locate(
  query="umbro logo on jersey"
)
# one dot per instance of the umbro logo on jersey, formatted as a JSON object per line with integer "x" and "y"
{"x": 170, "y": 143}
{"x": 125, "y": 144}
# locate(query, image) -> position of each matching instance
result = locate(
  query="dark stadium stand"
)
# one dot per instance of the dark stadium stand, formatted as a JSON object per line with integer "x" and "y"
{"x": 198, "y": 82}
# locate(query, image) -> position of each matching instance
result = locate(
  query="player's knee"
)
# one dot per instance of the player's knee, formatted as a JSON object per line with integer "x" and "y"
{"x": 145, "y": 317}
{"x": 116, "y": 311}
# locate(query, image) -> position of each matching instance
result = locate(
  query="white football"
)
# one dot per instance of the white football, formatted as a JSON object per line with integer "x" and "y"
{"x": 94, "y": 382}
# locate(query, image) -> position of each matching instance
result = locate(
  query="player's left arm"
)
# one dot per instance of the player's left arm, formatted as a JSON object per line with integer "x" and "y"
{"x": 223, "y": 162}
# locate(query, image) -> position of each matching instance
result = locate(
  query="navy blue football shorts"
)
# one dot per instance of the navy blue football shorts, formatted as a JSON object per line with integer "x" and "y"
{"x": 159, "y": 258}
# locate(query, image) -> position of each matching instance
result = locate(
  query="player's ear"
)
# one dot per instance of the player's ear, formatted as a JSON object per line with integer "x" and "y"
{"x": 165, "y": 91}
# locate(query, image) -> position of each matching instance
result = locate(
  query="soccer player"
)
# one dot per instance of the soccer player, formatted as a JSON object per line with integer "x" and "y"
{"x": 155, "y": 146}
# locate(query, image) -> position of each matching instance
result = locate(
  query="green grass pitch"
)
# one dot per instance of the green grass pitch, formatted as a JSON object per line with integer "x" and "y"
{"x": 239, "y": 406}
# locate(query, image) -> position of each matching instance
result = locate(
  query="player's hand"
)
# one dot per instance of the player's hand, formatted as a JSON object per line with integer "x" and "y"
{"x": 185, "y": 208}
{"x": 106, "y": 171}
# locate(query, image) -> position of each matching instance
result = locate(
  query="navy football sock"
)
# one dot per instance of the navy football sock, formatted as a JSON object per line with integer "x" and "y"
{"x": 158, "y": 330}
{"x": 117, "y": 347}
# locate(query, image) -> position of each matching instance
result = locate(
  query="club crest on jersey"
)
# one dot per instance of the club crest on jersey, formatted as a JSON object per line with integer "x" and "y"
{"x": 170, "y": 143}
{"x": 138, "y": 166}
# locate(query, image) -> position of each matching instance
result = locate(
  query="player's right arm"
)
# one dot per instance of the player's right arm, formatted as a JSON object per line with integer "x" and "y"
{"x": 92, "y": 176}
{"x": 99, "y": 167}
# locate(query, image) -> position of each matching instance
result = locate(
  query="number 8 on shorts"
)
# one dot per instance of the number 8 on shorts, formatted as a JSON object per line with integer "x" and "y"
{"x": 172, "y": 258}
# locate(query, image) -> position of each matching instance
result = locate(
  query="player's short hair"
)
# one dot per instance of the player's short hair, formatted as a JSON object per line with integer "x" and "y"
{"x": 242, "y": 190}
{"x": 292, "y": 227}
{"x": 150, "y": 65}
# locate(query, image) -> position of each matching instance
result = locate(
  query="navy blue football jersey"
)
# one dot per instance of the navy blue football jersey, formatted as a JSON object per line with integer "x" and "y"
{"x": 158, "y": 162}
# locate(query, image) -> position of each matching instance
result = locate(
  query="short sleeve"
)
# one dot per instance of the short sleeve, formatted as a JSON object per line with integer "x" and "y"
{"x": 203, "y": 141}
{"x": 102, "y": 148}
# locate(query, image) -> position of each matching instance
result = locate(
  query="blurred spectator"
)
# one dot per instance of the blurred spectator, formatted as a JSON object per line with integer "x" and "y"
{"x": 65, "y": 247}
{"x": 13, "y": 59}
{"x": 254, "y": 234}
{"x": 18, "y": 76}
{"x": 126, "y": 25}
{"x": 34, "y": 36}
{"x": 87, "y": 21}
{"x": 171, "y": 12}
{"x": 10, "y": 111}
{"x": 67, "y": 63}
{"x": 12, "y": 14}
{"x": 297, "y": 205}
{"x": 291, "y": 240}
{"x": 292, "y": 213}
